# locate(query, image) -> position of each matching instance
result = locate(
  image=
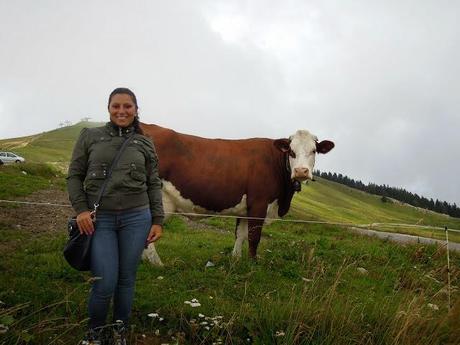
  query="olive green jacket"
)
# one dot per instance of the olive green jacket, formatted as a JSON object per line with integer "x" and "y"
{"x": 135, "y": 181}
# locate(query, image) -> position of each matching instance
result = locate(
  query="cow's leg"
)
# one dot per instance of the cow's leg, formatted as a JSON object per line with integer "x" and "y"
{"x": 256, "y": 213}
{"x": 241, "y": 234}
{"x": 254, "y": 232}
{"x": 150, "y": 253}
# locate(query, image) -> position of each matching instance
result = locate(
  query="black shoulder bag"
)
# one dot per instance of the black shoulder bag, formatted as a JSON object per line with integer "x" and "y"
{"x": 77, "y": 251}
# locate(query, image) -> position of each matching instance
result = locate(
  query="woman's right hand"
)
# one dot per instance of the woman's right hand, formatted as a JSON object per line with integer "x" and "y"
{"x": 85, "y": 223}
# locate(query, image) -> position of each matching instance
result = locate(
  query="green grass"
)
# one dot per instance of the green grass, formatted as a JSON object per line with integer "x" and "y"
{"x": 306, "y": 284}
{"x": 52, "y": 146}
{"x": 23, "y": 179}
{"x": 325, "y": 200}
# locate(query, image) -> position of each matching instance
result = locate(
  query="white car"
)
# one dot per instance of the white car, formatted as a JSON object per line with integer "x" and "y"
{"x": 10, "y": 157}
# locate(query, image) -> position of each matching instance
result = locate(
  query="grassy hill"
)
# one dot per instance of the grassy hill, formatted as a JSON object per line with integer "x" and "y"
{"x": 322, "y": 200}
{"x": 52, "y": 146}
{"x": 312, "y": 284}
{"x": 325, "y": 200}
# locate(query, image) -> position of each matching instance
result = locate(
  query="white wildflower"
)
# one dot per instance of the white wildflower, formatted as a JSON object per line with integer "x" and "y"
{"x": 433, "y": 306}
{"x": 207, "y": 328}
{"x": 3, "y": 329}
{"x": 203, "y": 323}
{"x": 160, "y": 319}
{"x": 193, "y": 303}
{"x": 279, "y": 334}
{"x": 160, "y": 278}
{"x": 152, "y": 315}
{"x": 210, "y": 264}
{"x": 157, "y": 332}
{"x": 200, "y": 315}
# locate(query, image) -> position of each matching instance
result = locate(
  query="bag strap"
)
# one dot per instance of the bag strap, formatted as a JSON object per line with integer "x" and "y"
{"x": 109, "y": 174}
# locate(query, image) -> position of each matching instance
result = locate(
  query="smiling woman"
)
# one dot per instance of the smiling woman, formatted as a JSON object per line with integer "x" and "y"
{"x": 129, "y": 213}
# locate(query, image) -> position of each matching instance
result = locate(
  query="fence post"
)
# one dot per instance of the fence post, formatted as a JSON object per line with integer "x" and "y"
{"x": 448, "y": 269}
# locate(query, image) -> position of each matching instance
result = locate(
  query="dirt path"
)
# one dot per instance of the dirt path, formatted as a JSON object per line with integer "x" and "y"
{"x": 403, "y": 238}
{"x": 37, "y": 218}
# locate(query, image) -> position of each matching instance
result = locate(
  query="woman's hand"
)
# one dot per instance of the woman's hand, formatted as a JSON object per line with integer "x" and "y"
{"x": 155, "y": 233}
{"x": 85, "y": 223}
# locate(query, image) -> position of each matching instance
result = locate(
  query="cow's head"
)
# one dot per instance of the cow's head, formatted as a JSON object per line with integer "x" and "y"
{"x": 301, "y": 149}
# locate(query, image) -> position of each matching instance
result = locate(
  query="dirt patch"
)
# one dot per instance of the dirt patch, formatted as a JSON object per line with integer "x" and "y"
{"x": 37, "y": 218}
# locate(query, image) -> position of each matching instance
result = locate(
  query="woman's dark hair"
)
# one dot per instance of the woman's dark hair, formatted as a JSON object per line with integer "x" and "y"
{"x": 126, "y": 91}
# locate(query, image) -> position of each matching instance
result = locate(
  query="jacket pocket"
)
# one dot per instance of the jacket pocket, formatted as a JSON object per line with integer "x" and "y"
{"x": 98, "y": 174}
{"x": 138, "y": 176}
{"x": 94, "y": 180}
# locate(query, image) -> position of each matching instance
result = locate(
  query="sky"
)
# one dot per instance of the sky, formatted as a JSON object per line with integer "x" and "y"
{"x": 379, "y": 78}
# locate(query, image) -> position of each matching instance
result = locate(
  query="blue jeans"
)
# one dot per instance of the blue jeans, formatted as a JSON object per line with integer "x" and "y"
{"x": 116, "y": 250}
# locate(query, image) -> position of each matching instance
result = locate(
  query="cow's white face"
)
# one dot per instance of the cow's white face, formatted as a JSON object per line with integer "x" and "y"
{"x": 301, "y": 149}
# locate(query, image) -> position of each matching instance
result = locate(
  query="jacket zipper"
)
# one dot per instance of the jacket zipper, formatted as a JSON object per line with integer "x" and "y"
{"x": 119, "y": 131}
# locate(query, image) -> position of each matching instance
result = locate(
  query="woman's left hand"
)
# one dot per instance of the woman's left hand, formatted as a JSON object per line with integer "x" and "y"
{"x": 155, "y": 233}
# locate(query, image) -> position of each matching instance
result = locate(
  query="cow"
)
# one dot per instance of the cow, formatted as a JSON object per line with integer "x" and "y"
{"x": 253, "y": 178}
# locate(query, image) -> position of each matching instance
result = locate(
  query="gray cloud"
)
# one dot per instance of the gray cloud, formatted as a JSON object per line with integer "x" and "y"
{"x": 380, "y": 79}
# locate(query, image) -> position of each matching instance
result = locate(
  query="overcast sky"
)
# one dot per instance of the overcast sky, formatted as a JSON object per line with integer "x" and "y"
{"x": 379, "y": 78}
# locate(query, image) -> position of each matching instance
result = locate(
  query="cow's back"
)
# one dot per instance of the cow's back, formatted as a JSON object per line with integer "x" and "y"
{"x": 217, "y": 173}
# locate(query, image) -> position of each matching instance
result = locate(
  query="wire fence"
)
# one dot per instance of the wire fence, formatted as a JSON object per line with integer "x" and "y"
{"x": 192, "y": 214}
{"x": 345, "y": 224}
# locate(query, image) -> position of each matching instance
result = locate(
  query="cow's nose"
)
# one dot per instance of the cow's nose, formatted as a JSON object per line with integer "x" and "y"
{"x": 301, "y": 172}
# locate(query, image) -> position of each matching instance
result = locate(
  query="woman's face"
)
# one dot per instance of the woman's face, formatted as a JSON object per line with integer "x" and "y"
{"x": 122, "y": 110}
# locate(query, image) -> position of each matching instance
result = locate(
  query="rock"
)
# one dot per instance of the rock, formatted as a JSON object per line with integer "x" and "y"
{"x": 362, "y": 270}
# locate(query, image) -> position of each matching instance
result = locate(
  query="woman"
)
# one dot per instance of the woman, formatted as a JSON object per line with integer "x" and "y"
{"x": 130, "y": 214}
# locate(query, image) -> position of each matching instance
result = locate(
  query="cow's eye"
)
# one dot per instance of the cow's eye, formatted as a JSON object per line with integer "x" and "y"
{"x": 314, "y": 151}
{"x": 292, "y": 154}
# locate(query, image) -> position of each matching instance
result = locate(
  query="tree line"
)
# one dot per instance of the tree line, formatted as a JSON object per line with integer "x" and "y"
{"x": 400, "y": 194}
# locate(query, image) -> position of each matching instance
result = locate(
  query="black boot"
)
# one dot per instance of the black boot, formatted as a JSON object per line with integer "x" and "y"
{"x": 119, "y": 333}
{"x": 93, "y": 337}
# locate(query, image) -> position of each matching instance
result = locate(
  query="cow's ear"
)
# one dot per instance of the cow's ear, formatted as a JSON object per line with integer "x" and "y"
{"x": 324, "y": 146}
{"x": 283, "y": 145}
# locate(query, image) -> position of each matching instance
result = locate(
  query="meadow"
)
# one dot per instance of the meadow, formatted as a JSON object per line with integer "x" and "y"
{"x": 311, "y": 284}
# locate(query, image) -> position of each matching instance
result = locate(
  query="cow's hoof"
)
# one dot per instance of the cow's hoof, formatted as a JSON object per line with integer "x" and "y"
{"x": 236, "y": 255}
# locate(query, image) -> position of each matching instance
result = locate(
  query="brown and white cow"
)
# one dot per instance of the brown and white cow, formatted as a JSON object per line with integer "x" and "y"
{"x": 248, "y": 178}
